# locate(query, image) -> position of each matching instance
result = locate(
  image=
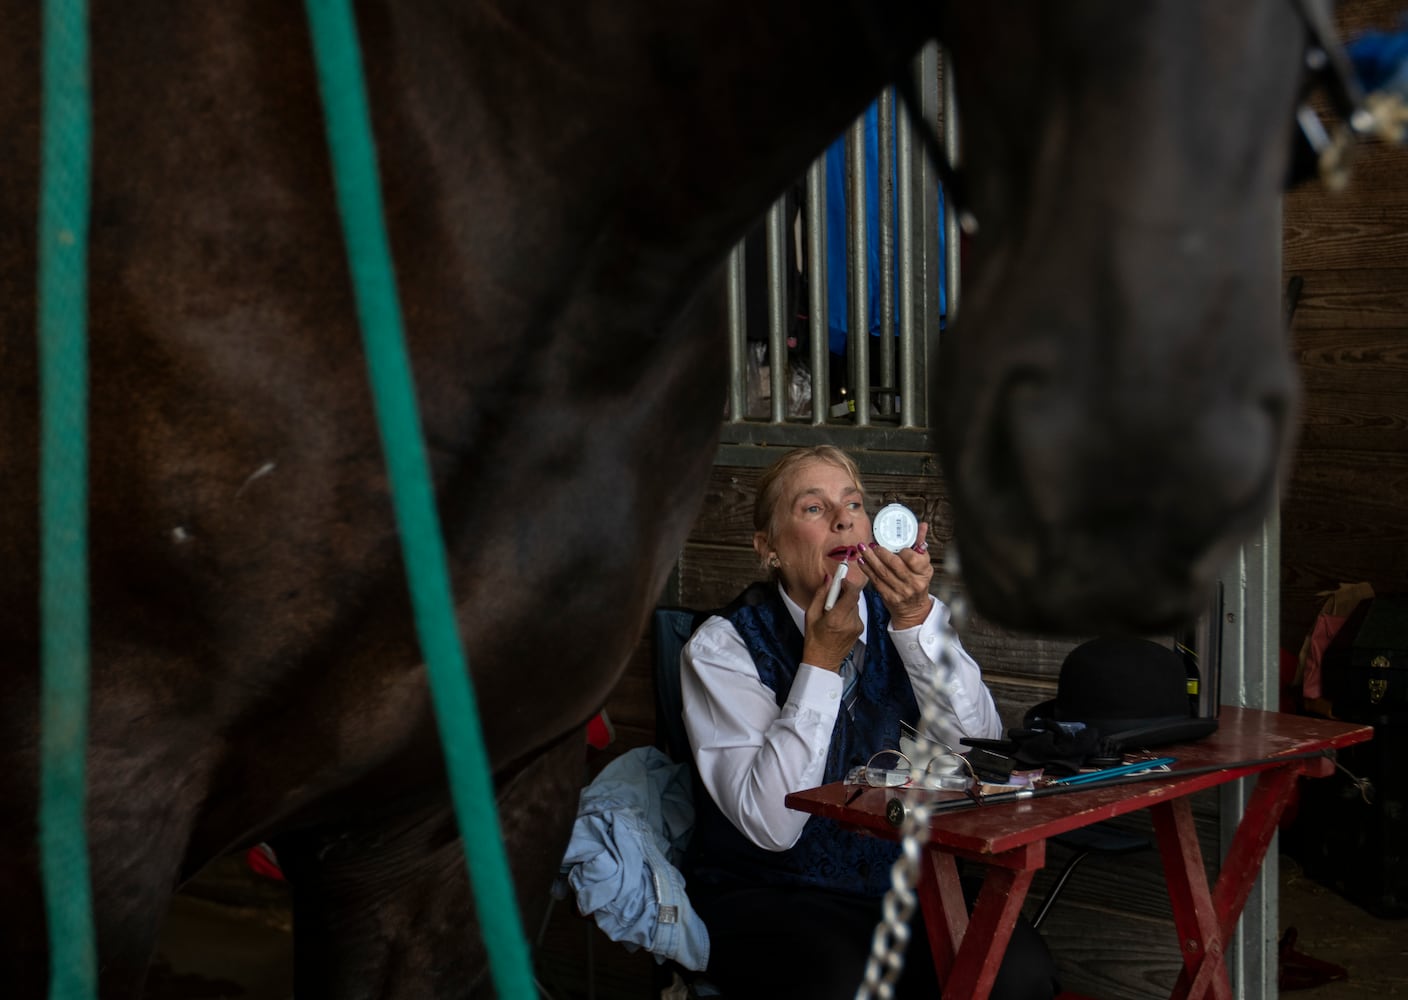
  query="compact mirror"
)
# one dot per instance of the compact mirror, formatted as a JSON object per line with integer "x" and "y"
{"x": 895, "y": 527}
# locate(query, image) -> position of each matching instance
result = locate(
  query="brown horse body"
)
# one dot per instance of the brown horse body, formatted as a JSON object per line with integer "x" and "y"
{"x": 558, "y": 180}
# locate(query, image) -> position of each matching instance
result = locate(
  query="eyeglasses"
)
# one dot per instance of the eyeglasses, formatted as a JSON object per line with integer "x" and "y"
{"x": 884, "y": 770}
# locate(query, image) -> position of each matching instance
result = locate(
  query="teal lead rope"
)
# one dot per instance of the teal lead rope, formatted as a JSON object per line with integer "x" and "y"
{"x": 65, "y": 167}
{"x": 359, "y": 201}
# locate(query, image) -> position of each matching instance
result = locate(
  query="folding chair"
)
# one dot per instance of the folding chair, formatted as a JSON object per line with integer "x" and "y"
{"x": 671, "y": 628}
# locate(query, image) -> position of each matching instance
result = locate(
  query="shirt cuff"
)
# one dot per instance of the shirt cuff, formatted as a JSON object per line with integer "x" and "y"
{"x": 816, "y": 689}
{"x": 922, "y": 641}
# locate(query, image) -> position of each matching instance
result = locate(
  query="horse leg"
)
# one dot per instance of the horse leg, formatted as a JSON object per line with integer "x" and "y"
{"x": 136, "y": 838}
{"x": 382, "y": 905}
{"x": 131, "y": 890}
{"x": 135, "y": 874}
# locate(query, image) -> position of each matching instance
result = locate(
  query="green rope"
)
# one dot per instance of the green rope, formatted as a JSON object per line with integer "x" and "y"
{"x": 359, "y": 200}
{"x": 65, "y": 160}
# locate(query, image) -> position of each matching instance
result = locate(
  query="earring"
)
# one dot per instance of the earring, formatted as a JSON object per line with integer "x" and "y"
{"x": 774, "y": 562}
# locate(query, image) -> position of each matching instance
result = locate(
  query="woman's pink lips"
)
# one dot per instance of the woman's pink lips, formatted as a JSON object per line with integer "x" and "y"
{"x": 843, "y": 553}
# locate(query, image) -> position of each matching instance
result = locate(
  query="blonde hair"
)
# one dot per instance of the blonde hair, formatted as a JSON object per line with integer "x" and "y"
{"x": 770, "y": 483}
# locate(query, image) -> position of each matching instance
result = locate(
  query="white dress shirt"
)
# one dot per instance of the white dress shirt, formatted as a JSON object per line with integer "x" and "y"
{"x": 750, "y": 753}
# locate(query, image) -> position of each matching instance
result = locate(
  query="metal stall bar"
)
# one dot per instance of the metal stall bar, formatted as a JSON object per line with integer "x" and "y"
{"x": 884, "y": 380}
{"x": 779, "y": 375}
{"x": 896, "y": 428}
{"x": 910, "y": 399}
{"x": 951, "y": 228}
{"x": 858, "y": 293}
{"x": 737, "y": 337}
{"x": 936, "y": 105}
{"x": 816, "y": 291}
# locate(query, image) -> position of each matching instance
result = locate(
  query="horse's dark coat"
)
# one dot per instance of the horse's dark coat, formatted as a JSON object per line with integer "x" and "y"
{"x": 559, "y": 178}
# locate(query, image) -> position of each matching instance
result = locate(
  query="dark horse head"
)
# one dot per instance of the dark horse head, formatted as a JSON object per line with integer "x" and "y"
{"x": 1117, "y": 397}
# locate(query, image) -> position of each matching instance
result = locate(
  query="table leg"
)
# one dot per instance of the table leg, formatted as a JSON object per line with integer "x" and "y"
{"x": 1194, "y": 917}
{"x": 1205, "y": 918}
{"x": 1245, "y": 854}
{"x": 968, "y": 949}
{"x": 945, "y": 911}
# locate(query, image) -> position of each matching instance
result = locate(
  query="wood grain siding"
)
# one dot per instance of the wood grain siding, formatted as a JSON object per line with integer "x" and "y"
{"x": 1344, "y": 512}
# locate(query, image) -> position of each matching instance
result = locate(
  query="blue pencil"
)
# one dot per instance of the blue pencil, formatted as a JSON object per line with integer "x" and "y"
{"x": 1091, "y": 777}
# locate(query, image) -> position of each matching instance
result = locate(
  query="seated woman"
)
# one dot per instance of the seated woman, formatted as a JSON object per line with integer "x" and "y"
{"x": 791, "y": 901}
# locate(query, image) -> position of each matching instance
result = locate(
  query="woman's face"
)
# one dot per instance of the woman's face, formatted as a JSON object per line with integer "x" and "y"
{"x": 819, "y": 520}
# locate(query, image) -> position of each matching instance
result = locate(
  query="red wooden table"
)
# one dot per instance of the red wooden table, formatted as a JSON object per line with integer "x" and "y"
{"x": 1010, "y": 839}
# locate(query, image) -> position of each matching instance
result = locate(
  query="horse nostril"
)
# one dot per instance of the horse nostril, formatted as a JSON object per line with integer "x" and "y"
{"x": 1238, "y": 462}
{"x": 1092, "y": 484}
{"x": 1279, "y": 404}
{"x": 1010, "y": 485}
{"x": 1037, "y": 434}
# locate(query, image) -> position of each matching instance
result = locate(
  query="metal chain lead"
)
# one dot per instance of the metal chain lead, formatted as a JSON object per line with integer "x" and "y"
{"x": 886, "y": 962}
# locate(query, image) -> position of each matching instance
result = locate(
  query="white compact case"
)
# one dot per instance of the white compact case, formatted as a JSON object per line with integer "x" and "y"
{"x": 895, "y": 527}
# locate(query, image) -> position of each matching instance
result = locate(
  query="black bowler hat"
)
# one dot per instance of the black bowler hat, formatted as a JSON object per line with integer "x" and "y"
{"x": 1133, "y": 692}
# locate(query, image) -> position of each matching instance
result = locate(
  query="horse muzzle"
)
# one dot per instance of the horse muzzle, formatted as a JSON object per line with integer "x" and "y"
{"x": 1084, "y": 509}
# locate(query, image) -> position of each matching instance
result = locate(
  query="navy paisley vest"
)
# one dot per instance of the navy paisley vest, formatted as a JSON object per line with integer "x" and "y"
{"x": 826, "y": 856}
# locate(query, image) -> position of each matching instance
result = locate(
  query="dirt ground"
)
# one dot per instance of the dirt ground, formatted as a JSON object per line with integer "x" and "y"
{"x": 230, "y": 938}
{"x": 1373, "y": 951}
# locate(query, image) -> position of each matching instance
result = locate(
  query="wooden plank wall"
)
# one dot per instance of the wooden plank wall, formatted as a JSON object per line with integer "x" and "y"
{"x": 1345, "y": 508}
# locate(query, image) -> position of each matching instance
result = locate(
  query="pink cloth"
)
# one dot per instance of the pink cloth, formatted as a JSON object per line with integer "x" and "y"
{"x": 1336, "y": 610}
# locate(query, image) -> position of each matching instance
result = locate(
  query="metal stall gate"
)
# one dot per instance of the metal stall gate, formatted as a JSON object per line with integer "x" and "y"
{"x": 798, "y": 374}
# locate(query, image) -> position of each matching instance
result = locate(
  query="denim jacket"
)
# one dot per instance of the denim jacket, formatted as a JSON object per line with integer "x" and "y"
{"x": 633, "y": 822}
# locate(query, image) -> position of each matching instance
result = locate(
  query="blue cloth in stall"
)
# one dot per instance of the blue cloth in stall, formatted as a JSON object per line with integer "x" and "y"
{"x": 1380, "y": 60}
{"x": 633, "y": 825}
{"x": 837, "y": 280}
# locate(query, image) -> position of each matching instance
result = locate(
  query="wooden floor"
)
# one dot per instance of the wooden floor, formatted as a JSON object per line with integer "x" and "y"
{"x": 229, "y": 938}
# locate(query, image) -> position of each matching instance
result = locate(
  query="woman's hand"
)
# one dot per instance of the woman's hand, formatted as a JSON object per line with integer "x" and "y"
{"x": 901, "y": 579}
{"x": 830, "y": 635}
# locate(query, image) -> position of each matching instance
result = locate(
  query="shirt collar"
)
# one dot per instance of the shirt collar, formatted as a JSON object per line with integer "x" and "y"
{"x": 799, "y": 614}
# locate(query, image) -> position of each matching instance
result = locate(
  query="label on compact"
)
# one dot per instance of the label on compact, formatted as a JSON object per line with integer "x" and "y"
{"x": 895, "y": 527}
